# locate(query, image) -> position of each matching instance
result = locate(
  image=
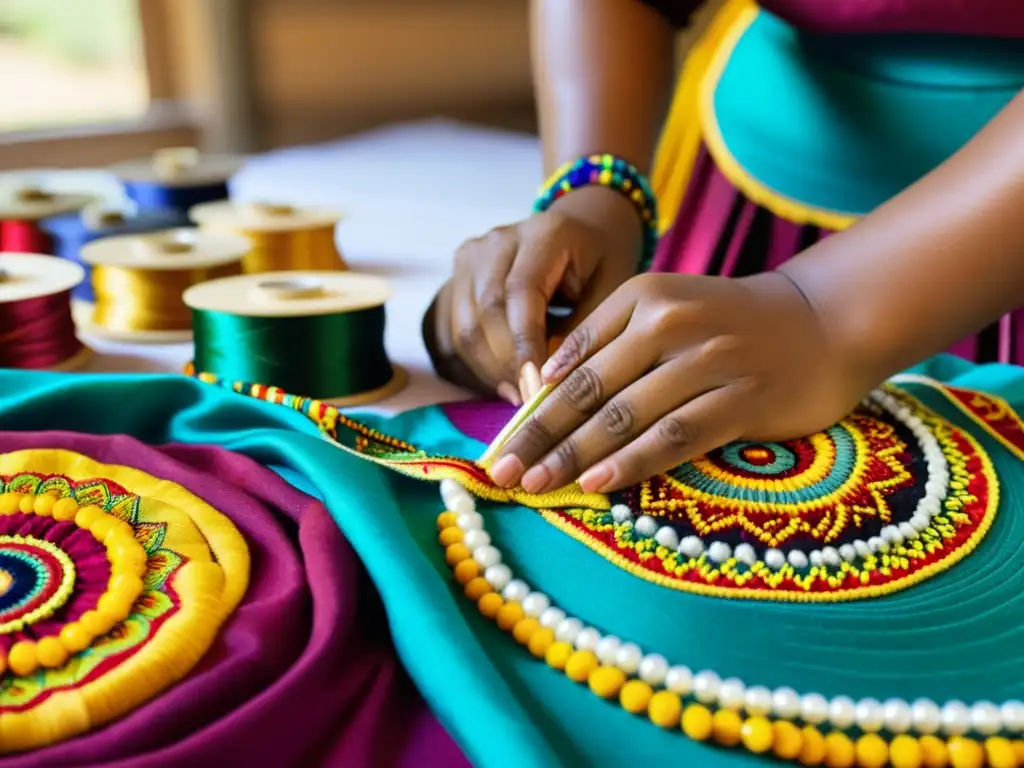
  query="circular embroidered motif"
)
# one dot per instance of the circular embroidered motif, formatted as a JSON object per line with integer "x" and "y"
{"x": 886, "y": 498}
{"x": 114, "y": 584}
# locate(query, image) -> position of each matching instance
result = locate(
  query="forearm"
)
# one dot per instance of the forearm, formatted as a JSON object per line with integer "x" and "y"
{"x": 938, "y": 262}
{"x": 603, "y": 71}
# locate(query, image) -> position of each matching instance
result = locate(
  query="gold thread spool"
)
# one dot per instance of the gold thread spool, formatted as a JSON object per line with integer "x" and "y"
{"x": 281, "y": 296}
{"x": 284, "y": 237}
{"x": 139, "y": 281}
{"x": 28, "y": 276}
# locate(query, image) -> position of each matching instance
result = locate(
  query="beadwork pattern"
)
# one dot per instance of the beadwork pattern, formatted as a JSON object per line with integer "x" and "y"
{"x": 101, "y": 584}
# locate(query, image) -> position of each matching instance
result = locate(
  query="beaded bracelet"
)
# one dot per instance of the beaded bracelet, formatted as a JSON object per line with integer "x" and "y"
{"x": 612, "y": 172}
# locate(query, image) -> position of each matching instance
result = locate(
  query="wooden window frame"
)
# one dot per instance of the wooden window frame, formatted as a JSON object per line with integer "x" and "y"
{"x": 196, "y": 58}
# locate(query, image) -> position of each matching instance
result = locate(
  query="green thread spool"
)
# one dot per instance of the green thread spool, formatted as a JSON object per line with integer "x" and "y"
{"x": 318, "y": 334}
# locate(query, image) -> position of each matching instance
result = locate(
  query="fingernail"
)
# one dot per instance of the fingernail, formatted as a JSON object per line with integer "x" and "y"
{"x": 537, "y": 479}
{"x": 508, "y": 393}
{"x": 550, "y": 370}
{"x": 595, "y": 479}
{"x": 506, "y": 471}
{"x": 531, "y": 376}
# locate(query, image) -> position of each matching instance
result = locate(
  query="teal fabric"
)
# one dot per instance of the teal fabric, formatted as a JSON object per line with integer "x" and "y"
{"x": 844, "y": 122}
{"x": 957, "y": 635}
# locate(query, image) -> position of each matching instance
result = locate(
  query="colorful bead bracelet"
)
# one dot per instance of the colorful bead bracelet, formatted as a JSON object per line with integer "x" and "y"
{"x": 127, "y": 559}
{"x": 614, "y": 173}
{"x": 648, "y": 684}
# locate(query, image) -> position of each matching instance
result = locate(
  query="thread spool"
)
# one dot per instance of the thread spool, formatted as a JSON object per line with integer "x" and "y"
{"x": 176, "y": 178}
{"x": 37, "y": 331}
{"x": 22, "y": 211}
{"x": 138, "y": 281}
{"x": 318, "y": 334}
{"x": 283, "y": 237}
{"x": 70, "y": 232}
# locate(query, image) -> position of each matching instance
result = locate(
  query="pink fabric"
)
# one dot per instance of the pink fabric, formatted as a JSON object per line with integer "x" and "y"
{"x": 988, "y": 18}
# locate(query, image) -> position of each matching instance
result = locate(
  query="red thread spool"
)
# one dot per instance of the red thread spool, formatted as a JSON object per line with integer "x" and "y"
{"x": 21, "y": 211}
{"x": 37, "y": 331}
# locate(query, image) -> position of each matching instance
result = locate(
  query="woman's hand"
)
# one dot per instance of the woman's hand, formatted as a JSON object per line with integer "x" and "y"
{"x": 671, "y": 367}
{"x": 490, "y": 320}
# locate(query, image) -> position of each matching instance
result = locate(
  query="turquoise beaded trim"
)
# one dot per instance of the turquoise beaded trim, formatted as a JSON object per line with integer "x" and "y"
{"x": 615, "y": 173}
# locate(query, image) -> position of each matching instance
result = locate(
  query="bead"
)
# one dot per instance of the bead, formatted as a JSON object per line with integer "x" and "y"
{"x": 956, "y": 718}
{"x": 896, "y": 716}
{"x": 446, "y": 520}
{"x": 88, "y": 515}
{"x": 635, "y": 696}
{"x": 466, "y": 571}
{"x": 797, "y": 559}
{"x": 679, "y": 679}
{"x": 463, "y": 504}
{"x": 691, "y": 546}
{"x": 475, "y": 539}
{"x": 813, "y": 750}
{"x": 621, "y": 513}
{"x": 1012, "y": 714}
{"x": 487, "y": 556}
{"x": 842, "y": 712}
{"x": 51, "y": 652}
{"x": 449, "y": 536}
{"x": 839, "y": 751}
{"x": 756, "y": 735}
{"x": 925, "y": 716}
{"x": 115, "y": 607}
{"x": 450, "y": 489}
{"x": 667, "y": 537}
{"x": 775, "y": 559}
{"x": 758, "y": 700}
{"x": 934, "y": 753}
{"x": 524, "y": 629}
{"x": 552, "y": 617}
{"x": 664, "y": 709}
{"x": 985, "y": 718}
{"x": 745, "y": 554}
{"x": 816, "y": 559}
{"x": 868, "y": 714}
{"x": 606, "y": 681}
{"x": 965, "y": 753}
{"x": 607, "y": 649}
{"x": 786, "y": 740}
{"x": 719, "y": 551}
{"x": 905, "y": 752}
{"x": 831, "y": 557}
{"x": 27, "y": 503}
{"x": 477, "y": 588}
{"x": 726, "y": 726}
{"x": 567, "y": 630}
{"x": 813, "y": 708}
{"x": 653, "y": 668}
{"x": 453, "y": 555}
{"x": 9, "y": 503}
{"x": 558, "y": 655}
{"x": 490, "y": 604}
{"x": 102, "y": 526}
{"x": 872, "y": 751}
{"x": 96, "y": 623}
{"x": 786, "y": 703}
{"x": 470, "y": 521}
{"x": 999, "y": 753}
{"x": 732, "y": 693}
{"x": 645, "y": 525}
{"x": 628, "y": 657}
{"x": 535, "y": 603}
{"x": 580, "y": 665}
{"x": 540, "y": 641}
{"x": 697, "y": 722}
{"x": 498, "y": 576}
{"x": 516, "y": 590}
{"x": 508, "y": 615}
{"x": 705, "y": 687}
{"x": 22, "y": 659}
{"x": 74, "y": 637}
{"x": 44, "y": 505}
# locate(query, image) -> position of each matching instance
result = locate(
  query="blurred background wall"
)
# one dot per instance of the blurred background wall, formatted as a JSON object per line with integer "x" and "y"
{"x": 85, "y": 81}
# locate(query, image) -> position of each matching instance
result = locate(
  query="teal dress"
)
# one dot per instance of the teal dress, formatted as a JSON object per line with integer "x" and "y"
{"x": 953, "y": 631}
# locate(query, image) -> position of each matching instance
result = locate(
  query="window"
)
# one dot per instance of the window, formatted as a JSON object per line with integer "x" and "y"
{"x": 70, "y": 62}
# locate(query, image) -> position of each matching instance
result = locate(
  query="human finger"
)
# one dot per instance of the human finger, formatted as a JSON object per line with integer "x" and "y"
{"x": 467, "y": 335}
{"x": 490, "y": 272}
{"x": 571, "y": 403}
{"x": 701, "y": 425}
{"x": 621, "y": 420}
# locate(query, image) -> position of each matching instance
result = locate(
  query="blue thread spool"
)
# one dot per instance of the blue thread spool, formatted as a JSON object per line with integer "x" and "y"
{"x": 70, "y": 232}
{"x": 177, "y": 179}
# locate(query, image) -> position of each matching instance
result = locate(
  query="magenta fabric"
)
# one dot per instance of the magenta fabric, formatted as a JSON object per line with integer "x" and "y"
{"x": 718, "y": 231}
{"x": 303, "y": 674}
{"x": 479, "y": 419}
